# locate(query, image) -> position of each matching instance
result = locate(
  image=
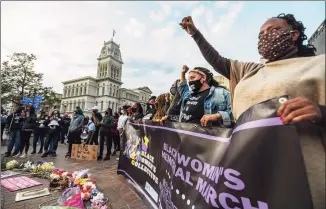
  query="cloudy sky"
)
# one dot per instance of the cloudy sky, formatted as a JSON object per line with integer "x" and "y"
{"x": 67, "y": 37}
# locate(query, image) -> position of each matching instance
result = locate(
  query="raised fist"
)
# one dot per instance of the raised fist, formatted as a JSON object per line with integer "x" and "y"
{"x": 185, "y": 69}
{"x": 188, "y": 25}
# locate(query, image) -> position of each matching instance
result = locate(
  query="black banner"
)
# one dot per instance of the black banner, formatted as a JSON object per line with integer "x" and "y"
{"x": 257, "y": 164}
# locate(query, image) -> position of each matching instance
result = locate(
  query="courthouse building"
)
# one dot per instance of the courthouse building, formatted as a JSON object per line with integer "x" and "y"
{"x": 105, "y": 90}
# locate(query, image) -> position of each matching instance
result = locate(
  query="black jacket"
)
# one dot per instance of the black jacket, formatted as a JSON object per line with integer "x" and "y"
{"x": 29, "y": 123}
{"x": 14, "y": 122}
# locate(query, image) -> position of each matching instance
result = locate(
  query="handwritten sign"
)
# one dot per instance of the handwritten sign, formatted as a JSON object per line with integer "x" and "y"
{"x": 84, "y": 152}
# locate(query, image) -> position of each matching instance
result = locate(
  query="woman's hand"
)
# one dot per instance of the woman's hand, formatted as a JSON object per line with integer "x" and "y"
{"x": 188, "y": 25}
{"x": 209, "y": 118}
{"x": 299, "y": 109}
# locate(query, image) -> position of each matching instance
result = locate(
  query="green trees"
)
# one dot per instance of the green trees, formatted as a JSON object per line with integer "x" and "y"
{"x": 19, "y": 79}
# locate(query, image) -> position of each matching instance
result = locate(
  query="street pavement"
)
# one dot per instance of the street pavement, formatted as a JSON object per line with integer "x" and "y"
{"x": 115, "y": 187}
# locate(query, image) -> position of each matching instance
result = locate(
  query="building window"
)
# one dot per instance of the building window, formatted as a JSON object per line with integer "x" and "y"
{"x": 109, "y": 104}
{"x": 103, "y": 89}
{"x": 83, "y": 104}
{"x": 112, "y": 71}
{"x": 96, "y": 103}
{"x": 110, "y": 89}
{"x": 74, "y": 106}
{"x": 81, "y": 90}
{"x": 72, "y": 91}
{"x": 98, "y": 89}
{"x": 112, "y": 107}
{"x": 101, "y": 105}
{"x": 77, "y": 88}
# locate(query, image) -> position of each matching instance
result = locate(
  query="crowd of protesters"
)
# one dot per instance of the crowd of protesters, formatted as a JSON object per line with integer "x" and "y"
{"x": 288, "y": 67}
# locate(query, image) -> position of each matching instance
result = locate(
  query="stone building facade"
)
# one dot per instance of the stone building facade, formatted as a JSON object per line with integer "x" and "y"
{"x": 105, "y": 90}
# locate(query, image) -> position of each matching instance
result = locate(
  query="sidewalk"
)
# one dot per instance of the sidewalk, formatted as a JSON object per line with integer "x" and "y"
{"x": 119, "y": 192}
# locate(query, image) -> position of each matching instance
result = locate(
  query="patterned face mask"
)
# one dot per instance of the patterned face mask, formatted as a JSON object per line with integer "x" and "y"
{"x": 274, "y": 44}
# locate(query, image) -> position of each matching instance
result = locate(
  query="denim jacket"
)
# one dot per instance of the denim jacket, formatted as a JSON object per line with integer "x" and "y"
{"x": 217, "y": 101}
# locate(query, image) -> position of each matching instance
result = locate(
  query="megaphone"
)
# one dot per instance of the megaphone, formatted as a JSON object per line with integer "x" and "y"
{"x": 84, "y": 134}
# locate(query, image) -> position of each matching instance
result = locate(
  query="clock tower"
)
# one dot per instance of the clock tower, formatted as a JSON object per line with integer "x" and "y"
{"x": 110, "y": 61}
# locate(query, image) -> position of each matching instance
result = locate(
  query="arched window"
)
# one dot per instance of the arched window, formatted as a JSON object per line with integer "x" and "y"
{"x": 70, "y": 106}
{"x": 85, "y": 88}
{"x": 78, "y": 103}
{"x": 64, "y": 93}
{"x": 80, "y": 90}
{"x": 96, "y": 103}
{"x": 101, "y": 105}
{"x": 98, "y": 89}
{"x": 112, "y": 67}
{"x": 109, "y": 106}
{"x": 112, "y": 107}
{"x": 73, "y": 90}
{"x": 77, "y": 89}
{"x": 74, "y": 105}
{"x": 110, "y": 89}
{"x": 103, "y": 89}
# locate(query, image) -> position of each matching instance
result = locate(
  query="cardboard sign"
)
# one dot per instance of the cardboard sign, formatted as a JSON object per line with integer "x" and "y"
{"x": 84, "y": 152}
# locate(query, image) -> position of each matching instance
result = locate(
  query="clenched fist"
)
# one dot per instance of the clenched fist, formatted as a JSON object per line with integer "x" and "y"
{"x": 185, "y": 69}
{"x": 188, "y": 25}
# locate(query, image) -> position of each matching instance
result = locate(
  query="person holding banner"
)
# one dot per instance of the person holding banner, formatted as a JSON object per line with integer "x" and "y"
{"x": 137, "y": 112}
{"x": 289, "y": 68}
{"x": 75, "y": 129}
{"x": 160, "y": 107}
{"x": 28, "y": 127}
{"x": 207, "y": 103}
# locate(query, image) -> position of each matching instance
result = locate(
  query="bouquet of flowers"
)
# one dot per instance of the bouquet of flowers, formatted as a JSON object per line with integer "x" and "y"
{"x": 12, "y": 164}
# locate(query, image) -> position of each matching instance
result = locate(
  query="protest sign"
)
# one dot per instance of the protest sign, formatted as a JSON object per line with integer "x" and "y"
{"x": 84, "y": 152}
{"x": 182, "y": 165}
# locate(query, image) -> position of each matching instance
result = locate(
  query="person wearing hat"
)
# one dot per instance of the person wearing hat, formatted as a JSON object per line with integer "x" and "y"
{"x": 204, "y": 101}
{"x": 97, "y": 119}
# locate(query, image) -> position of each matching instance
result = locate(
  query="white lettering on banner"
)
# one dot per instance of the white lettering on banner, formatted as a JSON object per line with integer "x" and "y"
{"x": 211, "y": 197}
{"x": 180, "y": 163}
{"x": 146, "y": 170}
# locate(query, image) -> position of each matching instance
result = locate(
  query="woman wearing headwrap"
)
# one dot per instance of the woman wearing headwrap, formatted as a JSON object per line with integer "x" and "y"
{"x": 207, "y": 103}
{"x": 75, "y": 129}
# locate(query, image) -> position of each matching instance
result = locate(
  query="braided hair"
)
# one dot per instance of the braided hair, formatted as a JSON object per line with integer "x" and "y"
{"x": 303, "y": 50}
{"x": 209, "y": 77}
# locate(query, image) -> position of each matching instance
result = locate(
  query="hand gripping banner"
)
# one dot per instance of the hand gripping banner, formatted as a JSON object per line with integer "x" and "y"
{"x": 257, "y": 164}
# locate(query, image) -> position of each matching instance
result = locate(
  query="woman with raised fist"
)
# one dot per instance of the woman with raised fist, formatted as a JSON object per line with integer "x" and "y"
{"x": 290, "y": 68}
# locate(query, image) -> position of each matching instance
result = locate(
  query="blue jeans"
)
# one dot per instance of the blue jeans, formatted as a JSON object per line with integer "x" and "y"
{"x": 14, "y": 141}
{"x": 50, "y": 141}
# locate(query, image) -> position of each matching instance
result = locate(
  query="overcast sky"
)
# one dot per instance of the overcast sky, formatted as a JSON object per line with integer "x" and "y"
{"x": 67, "y": 37}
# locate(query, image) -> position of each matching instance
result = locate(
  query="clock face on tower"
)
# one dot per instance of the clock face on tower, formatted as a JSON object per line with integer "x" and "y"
{"x": 116, "y": 54}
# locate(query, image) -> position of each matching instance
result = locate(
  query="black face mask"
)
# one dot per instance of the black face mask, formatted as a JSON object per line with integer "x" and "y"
{"x": 173, "y": 90}
{"x": 195, "y": 85}
{"x": 133, "y": 109}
